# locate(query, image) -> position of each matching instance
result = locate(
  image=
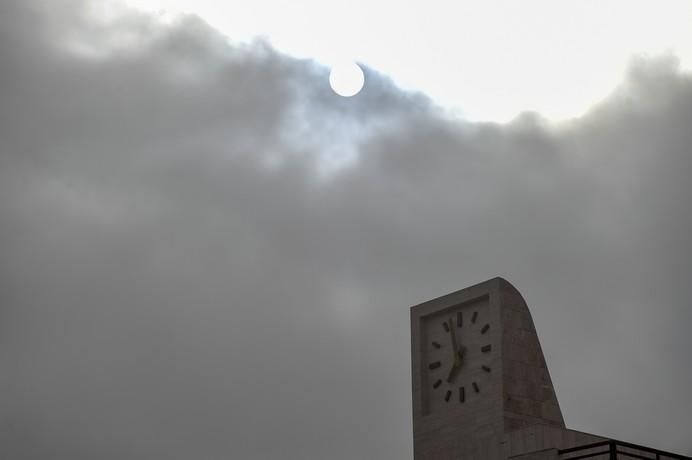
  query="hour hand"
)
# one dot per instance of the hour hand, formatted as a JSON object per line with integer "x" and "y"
{"x": 458, "y": 360}
{"x": 460, "y": 354}
{"x": 452, "y": 372}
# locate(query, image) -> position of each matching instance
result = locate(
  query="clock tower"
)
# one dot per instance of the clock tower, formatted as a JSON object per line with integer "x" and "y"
{"x": 481, "y": 387}
{"x": 478, "y": 373}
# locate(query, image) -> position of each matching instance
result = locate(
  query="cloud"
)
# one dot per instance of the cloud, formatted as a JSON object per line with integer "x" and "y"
{"x": 206, "y": 254}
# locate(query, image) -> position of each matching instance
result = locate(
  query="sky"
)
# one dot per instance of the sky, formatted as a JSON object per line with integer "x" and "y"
{"x": 563, "y": 56}
{"x": 206, "y": 253}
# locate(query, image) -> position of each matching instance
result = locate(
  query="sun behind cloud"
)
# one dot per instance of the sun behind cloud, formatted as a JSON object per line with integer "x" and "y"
{"x": 346, "y": 79}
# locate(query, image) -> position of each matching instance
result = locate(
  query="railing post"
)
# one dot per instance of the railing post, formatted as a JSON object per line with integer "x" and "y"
{"x": 613, "y": 451}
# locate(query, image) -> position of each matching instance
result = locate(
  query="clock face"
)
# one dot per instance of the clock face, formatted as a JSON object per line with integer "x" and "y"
{"x": 457, "y": 356}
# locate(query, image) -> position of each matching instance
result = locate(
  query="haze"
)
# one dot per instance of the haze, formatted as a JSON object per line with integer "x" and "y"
{"x": 207, "y": 254}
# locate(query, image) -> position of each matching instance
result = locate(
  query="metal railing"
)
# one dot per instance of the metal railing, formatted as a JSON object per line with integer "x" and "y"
{"x": 616, "y": 450}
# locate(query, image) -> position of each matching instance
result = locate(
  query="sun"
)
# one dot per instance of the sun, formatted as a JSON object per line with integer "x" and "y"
{"x": 346, "y": 79}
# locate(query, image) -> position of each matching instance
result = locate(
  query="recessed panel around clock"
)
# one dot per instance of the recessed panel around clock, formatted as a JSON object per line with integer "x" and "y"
{"x": 455, "y": 356}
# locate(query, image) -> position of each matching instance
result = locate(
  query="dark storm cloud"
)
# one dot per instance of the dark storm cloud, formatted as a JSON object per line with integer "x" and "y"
{"x": 190, "y": 270}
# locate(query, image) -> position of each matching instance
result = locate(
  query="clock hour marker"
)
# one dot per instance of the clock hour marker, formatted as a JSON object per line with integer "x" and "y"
{"x": 437, "y": 384}
{"x": 485, "y": 368}
{"x": 460, "y": 320}
{"x": 436, "y": 345}
{"x": 474, "y": 317}
{"x": 485, "y": 328}
{"x": 475, "y": 387}
{"x": 446, "y": 326}
{"x": 448, "y": 395}
{"x": 462, "y": 396}
{"x": 486, "y": 348}
{"x": 434, "y": 365}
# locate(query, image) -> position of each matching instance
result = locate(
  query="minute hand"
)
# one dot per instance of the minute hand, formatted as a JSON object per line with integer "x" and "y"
{"x": 454, "y": 343}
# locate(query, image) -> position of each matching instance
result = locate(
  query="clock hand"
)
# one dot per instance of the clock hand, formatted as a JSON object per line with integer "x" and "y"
{"x": 460, "y": 353}
{"x": 452, "y": 372}
{"x": 458, "y": 360}
{"x": 454, "y": 342}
